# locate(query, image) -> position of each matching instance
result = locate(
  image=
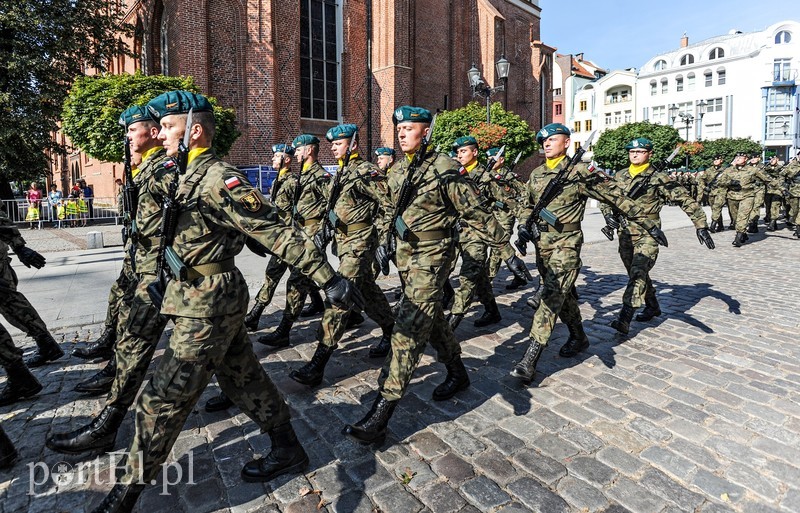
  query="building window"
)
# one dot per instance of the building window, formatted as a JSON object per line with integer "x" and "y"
{"x": 714, "y": 105}
{"x": 557, "y": 91}
{"x": 709, "y": 79}
{"x": 687, "y": 59}
{"x": 319, "y": 60}
{"x": 617, "y": 118}
{"x": 716, "y": 53}
{"x": 582, "y": 105}
{"x": 558, "y": 109}
{"x": 164, "y": 44}
{"x": 628, "y": 116}
{"x": 712, "y": 130}
{"x": 576, "y": 146}
{"x": 576, "y": 126}
{"x": 608, "y": 118}
{"x": 679, "y": 83}
{"x": 781, "y": 70}
{"x": 690, "y": 82}
{"x": 721, "y": 76}
{"x": 783, "y": 37}
{"x": 777, "y": 127}
{"x": 779, "y": 99}
{"x": 653, "y": 88}
{"x": 588, "y": 124}
{"x": 664, "y": 86}
{"x": 660, "y": 65}
{"x": 659, "y": 115}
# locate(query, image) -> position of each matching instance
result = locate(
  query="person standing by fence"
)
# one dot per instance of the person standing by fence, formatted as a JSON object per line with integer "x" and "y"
{"x": 53, "y": 198}
{"x": 34, "y": 195}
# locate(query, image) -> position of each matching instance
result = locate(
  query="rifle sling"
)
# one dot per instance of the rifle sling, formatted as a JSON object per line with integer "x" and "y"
{"x": 347, "y": 229}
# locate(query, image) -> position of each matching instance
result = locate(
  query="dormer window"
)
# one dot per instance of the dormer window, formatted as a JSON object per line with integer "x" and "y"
{"x": 660, "y": 65}
{"x": 783, "y": 37}
{"x": 716, "y": 53}
{"x": 687, "y": 59}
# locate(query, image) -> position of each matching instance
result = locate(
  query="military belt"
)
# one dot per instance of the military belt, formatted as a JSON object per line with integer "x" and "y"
{"x": 429, "y": 235}
{"x": 212, "y": 268}
{"x": 349, "y": 228}
{"x": 311, "y": 221}
{"x": 566, "y": 227}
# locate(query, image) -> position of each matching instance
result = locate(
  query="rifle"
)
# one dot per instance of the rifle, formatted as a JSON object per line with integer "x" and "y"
{"x": 483, "y": 188}
{"x": 641, "y": 187}
{"x": 330, "y": 221}
{"x": 398, "y": 226}
{"x": 551, "y": 192}
{"x": 516, "y": 161}
{"x": 130, "y": 198}
{"x": 169, "y": 264}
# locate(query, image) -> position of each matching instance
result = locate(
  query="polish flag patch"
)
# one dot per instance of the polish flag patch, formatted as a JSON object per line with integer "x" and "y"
{"x": 232, "y": 182}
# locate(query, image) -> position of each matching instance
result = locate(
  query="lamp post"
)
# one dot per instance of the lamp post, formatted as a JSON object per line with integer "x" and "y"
{"x": 687, "y": 119}
{"x": 701, "y": 111}
{"x": 481, "y": 88}
{"x": 785, "y": 127}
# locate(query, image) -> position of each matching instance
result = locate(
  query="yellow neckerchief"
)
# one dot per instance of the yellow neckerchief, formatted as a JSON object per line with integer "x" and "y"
{"x": 146, "y": 155}
{"x": 307, "y": 164}
{"x": 194, "y": 154}
{"x": 552, "y": 163}
{"x": 410, "y": 156}
{"x": 470, "y": 167}
{"x": 636, "y": 169}
{"x": 282, "y": 172}
{"x": 134, "y": 171}
{"x": 352, "y": 156}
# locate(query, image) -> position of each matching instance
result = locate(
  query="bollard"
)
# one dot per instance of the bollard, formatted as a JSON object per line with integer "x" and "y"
{"x": 94, "y": 240}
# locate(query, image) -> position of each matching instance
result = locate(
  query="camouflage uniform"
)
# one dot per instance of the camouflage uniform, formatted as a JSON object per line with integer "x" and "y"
{"x": 791, "y": 175}
{"x": 10, "y": 355}
{"x": 741, "y": 182}
{"x": 282, "y": 195}
{"x": 716, "y": 195}
{"x": 774, "y": 198}
{"x": 505, "y": 189}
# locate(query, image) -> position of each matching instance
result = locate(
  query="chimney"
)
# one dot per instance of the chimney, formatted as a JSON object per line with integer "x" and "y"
{"x": 684, "y": 40}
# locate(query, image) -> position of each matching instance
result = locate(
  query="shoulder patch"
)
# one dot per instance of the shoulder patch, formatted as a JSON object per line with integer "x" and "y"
{"x": 169, "y": 164}
{"x": 252, "y": 201}
{"x": 498, "y": 176}
{"x": 374, "y": 173}
{"x": 232, "y": 182}
{"x": 463, "y": 171}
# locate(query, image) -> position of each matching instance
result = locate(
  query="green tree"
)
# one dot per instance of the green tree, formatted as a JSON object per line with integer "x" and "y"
{"x": 609, "y": 150}
{"x": 726, "y": 147}
{"x": 91, "y": 112}
{"x": 506, "y": 128}
{"x": 44, "y": 45}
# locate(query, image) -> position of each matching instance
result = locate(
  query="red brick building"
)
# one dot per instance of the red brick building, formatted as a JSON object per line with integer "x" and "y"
{"x": 289, "y": 67}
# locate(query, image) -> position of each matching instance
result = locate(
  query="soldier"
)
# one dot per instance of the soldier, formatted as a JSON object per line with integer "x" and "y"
{"x": 773, "y": 201}
{"x": 439, "y": 196}
{"x": 637, "y": 248}
{"x": 359, "y": 192}
{"x": 559, "y": 246}
{"x": 141, "y": 325}
{"x": 218, "y": 210}
{"x": 309, "y": 203}
{"x": 384, "y": 159}
{"x": 759, "y": 193}
{"x": 791, "y": 176}
{"x": 707, "y": 188}
{"x": 281, "y": 194}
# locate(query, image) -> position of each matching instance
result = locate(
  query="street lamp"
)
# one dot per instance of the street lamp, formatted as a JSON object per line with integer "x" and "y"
{"x": 480, "y": 88}
{"x": 687, "y": 119}
{"x": 701, "y": 111}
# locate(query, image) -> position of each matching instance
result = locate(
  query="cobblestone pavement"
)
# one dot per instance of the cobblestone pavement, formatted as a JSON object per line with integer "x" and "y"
{"x": 49, "y": 239}
{"x": 696, "y": 411}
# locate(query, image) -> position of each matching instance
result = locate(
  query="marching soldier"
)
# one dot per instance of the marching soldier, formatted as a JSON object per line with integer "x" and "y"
{"x": 637, "y": 248}
{"x": 760, "y": 192}
{"x": 559, "y": 245}
{"x": 773, "y": 201}
{"x": 207, "y": 300}
{"x": 791, "y": 175}
{"x": 384, "y": 159}
{"x": 707, "y": 188}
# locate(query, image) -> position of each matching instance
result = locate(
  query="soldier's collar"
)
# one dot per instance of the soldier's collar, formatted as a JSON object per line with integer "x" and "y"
{"x": 637, "y": 169}
{"x": 194, "y": 153}
{"x": 471, "y": 167}
{"x": 353, "y": 156}
{"x": 149, "y": 153}
{"x": 307, "y": 164}
{"x": 552, "y": 163}
{"x": 284, "y": 171}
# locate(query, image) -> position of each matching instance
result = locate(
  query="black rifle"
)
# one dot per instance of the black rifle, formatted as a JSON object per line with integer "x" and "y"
{"x": 130, "y": 199}
{"x": 710, "y": 186}
{"x": 483, "y": 187}
{"x": 551, "y": 192}
{"x": 398, "y": 227}
{"x": 169, "y": 264}
{"x": 640, "y": 188}
{"x": 330, "y": 221}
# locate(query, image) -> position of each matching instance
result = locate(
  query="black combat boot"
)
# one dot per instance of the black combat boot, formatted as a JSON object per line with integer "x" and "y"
{"x": 372, "y": 428}
{"x": 797, "y": 231}
{"x": 448, "y": 294}
{"x": 101, "y": 349}
{"x": 98, "y": 435}
{"x": 218, "y": 403}
{"x": 739, "y": 239}
{"x": 516, "y": 283}
{"x": 536, "y": 299}
{"x": 285, "y": 456}
{"x": 279, "y": 337}
{"x": 121, "y": 499}
{"x": 47, "y": 350}
{"x": 490, "y": 316}
{"x": 384, "y": 346}
{"x": 317, "y": 306}
{"x": 311, "y": 373}
{"x": 623, "y": 322}
{"x": 101, "y": 382}
{"x": 456, "y": 380}
{"x": 732, "y": 226}
{"x": 21, "y": 384}
{"x": 752, "y": 226}
{"x": 576, "y": 343}
{"x": 526, "y": 367}
{"x": 454, "y": 319}
{"x": 354, "y": 319}
{"x": 8, "y": 453}
{"x": 773, "y": 226}
{"x": 651, "y": 309}
{"x": 253, "y": 316}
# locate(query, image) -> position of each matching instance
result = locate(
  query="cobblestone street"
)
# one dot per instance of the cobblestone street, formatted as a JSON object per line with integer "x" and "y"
{"x": 695, "y": 411}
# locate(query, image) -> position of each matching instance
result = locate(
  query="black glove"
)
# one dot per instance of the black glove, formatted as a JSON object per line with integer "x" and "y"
{"x": 524, "y": 236}
{"x": 611, "y": 221}
{"x": 343, "y": 294}
{"x": 518, "y": 267}
{"x": 735, "y": 185}
{"x": 382, "y": 256}
{"x": 124, "y": 235}
{"x": 705, "y": 238}
{"x": 256, "y": 247}
{"x": 29, "y": 257}
{"x": 659, "y": 236}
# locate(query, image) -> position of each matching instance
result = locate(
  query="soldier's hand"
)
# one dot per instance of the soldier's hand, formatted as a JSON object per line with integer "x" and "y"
{"x": 256, "y": 247}
{"x": 320, "y": 242}
{"x": 659, "y": 236}
{"x": 518, "y": 267}
{"x": 29, "y": 257}
{"x": 343, "y": 294}
{"x": 611, "y": 221}
{"x": 705, "y": 238}
{"x": 382, "y": 256}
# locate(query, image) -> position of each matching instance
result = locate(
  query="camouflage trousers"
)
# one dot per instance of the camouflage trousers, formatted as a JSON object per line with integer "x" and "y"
{"x": 298, "y": 287}
{"x": 116, "y": 298}
{"x": 197, "y": 350}
{"x": 419, "y": 320}
{"x": 793, "y": 210}
{"x": 773, "y": 204}
{"x": 717, "y": 201}
{"x": 474, "y": 278}
{"x": 10, "y": 355}
{"x": 558, "y": 267}
{"x": 639, "y": 254}
{"x": 741, "y": 212}
{"x": 494, "y": 254}
{"x": 15, "y": 307}
{"x": 141, "y": 329}
{"x": 272, "y": 275}
{"x": 758, "y": 202}
{"x": 359, "y": 267}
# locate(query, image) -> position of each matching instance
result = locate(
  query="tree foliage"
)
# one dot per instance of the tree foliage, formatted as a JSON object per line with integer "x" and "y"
{"x": 44, "y": 45}
{"x": 91, "y": 112}
{"x": 610, "y": 153}
{"x": 506, "y": 128}
{"x": 726, "y": 147}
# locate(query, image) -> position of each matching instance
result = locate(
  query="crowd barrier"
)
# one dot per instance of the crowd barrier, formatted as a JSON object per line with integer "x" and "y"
{"x": 72, "y": 212}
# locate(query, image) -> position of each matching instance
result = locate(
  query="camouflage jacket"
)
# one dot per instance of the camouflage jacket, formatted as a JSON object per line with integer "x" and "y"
{"x": 9, "y": 236}
{"x": 504, "y": 189}
{"x": 219, "y": 210}
{"x": 282, "y": 194}
{"x": 776, "y": 185}
{"x": 660, "y": 189}
{"x": 153, "y": 180}
{"x": 362, "y": 200}
{"x": 441, "y": 196}
{"x": 791, "y": 176}
{"x": 313, "y": 190}
{"x": 710, "y": 177}
{"x": 476, "y": 177}
{"x": 742, "y": 181}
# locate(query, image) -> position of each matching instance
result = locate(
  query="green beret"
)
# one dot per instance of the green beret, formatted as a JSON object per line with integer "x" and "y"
{"x": 344, "y": 131}
{"x": 717, "y": 157}
{"x": 283, "y": 148}
{"x": 134, "y": 114}
{"x": 467, "y": 140}
{"x": 178, "y": 102}
{"x": 551, "y": 130}
{"x": 640, "y": 143}
{"x": 304, "y": 140}
{"x": 408, "y": 113}
{"x": 385, "y": 151}
{"x": 491, "y": 152}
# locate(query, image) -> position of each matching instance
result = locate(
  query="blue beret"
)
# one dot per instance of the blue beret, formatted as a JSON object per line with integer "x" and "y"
{"x": 344, "y": 131}
{"x": 134, "y": 114}
{"x": 304, "y": 140}
{"x": 178, "y": 102}
{"x": 640, "y": 143}
{"x": 385, "y": 151}
{"x": 467, "y": 140}
{"x": 491, "y": 152}
{"x": 408, "y": 113}
{"x": 551, "y": 130}
{"x": 283, "y": 148}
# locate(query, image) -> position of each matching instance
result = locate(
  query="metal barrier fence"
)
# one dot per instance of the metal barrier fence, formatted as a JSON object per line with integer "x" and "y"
{"x": 72, "y": 212}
